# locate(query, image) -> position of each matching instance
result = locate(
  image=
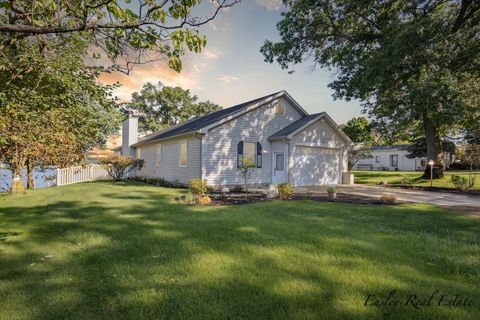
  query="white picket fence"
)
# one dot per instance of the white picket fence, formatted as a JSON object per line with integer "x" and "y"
{"x": 80, "y": 174}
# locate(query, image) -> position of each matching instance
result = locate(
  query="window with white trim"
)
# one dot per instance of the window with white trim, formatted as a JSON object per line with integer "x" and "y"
{"x": 183, "y": 153}
{"x": 158, "y": 160}
{"x": 377, "y": 159}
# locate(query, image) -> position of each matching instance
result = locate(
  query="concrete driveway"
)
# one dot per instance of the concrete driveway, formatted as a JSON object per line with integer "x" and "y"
{"x": 467, "y": 204}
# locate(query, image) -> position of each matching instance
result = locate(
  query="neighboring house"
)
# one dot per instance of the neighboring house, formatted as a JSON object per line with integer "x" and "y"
{"x": 394, "y": 158}
{"x": 286, "y": 143}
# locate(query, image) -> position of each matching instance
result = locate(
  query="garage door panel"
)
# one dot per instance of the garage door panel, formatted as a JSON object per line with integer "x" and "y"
{"x": 315, "y": 166}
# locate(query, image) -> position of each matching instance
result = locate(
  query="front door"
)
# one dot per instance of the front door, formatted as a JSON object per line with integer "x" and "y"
{"x": 278, "y": 167}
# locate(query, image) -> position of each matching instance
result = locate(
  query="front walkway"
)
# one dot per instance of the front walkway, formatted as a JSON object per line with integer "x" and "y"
{"x": 467, "y": 204}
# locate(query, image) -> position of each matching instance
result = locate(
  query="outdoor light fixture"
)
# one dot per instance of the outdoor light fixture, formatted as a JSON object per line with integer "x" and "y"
{"x": 431, "y": 163}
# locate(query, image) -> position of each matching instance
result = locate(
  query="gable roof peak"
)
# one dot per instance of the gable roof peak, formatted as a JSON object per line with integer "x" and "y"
{"x": 208, "y": 120}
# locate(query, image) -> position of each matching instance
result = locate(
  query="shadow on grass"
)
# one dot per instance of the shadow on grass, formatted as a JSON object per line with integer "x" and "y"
{"x": 130, "y": 252}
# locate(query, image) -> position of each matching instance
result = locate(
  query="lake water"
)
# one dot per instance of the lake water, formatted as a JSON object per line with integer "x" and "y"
{"x": 43, "y": 178}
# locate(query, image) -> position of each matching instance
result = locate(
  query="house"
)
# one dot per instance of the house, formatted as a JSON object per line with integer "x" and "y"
{"x": 286, "y": 143}
{"x": 394, "y": 158}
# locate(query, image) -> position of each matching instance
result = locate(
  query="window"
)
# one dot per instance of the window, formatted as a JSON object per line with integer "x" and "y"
{"x": 377, "y": 159}
{"x": 280, "y": 109}
{"x": 159, "y": 155}
{"x": 394, "y": 160}
{"x": 279, "y": 161}
{"x": 139, "y": 153}
{"x": 183, "y": 153}
{"x": 423, "y": 163}
{"x": 249, "y": 151}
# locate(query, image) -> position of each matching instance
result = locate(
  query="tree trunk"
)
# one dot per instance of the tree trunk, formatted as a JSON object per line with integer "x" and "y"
{"x": 434, "y": 148}
{"x": 17, "y": 181}
{"x": 30, "y": 180}
{"x": 246, "y": 190}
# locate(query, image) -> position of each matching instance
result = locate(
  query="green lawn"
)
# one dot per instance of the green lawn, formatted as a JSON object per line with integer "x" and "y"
{"x": 395, "y": 177}
{"x": 127, "y": 251}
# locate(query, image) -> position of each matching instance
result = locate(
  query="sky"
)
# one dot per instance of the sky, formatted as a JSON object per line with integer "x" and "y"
{"x": 231, "y": 69}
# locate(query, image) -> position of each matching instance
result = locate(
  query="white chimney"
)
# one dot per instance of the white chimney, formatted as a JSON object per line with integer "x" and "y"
{"x": 129, "y": 135}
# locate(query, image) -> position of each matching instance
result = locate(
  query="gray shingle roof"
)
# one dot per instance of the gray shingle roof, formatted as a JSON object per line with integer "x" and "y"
{"x": 295, "y": 126}
{"x": 199, "y": 122}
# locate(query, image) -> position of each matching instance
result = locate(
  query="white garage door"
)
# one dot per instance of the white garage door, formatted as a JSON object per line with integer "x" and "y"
{"x": 315, "y": 166}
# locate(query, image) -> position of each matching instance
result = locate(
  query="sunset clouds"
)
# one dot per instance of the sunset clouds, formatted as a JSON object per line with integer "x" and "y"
{"x": 153, "y": 72}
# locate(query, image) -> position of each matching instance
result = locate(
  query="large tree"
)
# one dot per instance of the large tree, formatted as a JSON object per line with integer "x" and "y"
{"x": 412, "y": 63}
{"x": 54, "y": 110}
{"x": 359, "y": 130}
{"x": 160, "y": 106}
{"x": 128, "y": 32}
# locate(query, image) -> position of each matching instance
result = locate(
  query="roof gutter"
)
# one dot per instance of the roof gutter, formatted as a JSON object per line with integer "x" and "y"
{"x": 193, "y": 133}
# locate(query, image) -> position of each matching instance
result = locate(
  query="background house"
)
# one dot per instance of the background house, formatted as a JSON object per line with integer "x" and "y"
{"x": 394, "y": 158}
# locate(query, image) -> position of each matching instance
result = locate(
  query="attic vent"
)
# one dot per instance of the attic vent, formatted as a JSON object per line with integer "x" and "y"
{"x": 280, "y": 109}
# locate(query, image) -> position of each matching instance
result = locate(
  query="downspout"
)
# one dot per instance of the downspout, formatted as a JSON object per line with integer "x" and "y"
{"x": 287, "y": 162}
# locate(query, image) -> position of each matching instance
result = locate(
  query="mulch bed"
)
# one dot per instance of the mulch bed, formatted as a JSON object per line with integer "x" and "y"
{"x": 435, "y": 189}
{"x": 220, "y": 200}
{"x": 341, "y": 197}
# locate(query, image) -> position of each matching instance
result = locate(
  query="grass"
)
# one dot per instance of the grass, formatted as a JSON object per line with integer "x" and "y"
{"x": 126, "y": 251}
{"x": 395, "y": 177}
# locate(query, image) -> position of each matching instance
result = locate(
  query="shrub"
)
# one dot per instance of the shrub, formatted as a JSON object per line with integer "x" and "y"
{"x": 189, "y": 198}
{"x": 406, "y": 179}
{"x": 159, "y": 182}
{"x": 118, "y": 166}
{"x": 331, "y": 189}
{"x": 237, "y": 188}
{"x": 285, "y": 191}
{"x": 210, "y": 189}
{"x": 198, "y": 186}
{"x": 460, "y": 182}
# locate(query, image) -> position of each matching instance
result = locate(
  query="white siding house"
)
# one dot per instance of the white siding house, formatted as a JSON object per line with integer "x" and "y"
{"x": 394, "y": 158}
{"x": 286, "y": 143}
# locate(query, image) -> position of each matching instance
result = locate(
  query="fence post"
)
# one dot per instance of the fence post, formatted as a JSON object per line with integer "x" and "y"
{"x": 58, "y": 176}
{"x": 90, "y": 171}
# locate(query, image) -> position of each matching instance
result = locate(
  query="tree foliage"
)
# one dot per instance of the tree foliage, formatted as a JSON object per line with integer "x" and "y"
{"x": 52, "y": 110}
{"x": 470, "y": 155}
{"x": 411, "y": 63}
{"x": 118, "y": 166}
{"x": 246, "y": 170}
{"x": 418, "y": 148}
{"x": 358, "y": 152}
{"x": 359, "y": 130}
{"x": 128, "y": 32}
{"x": 160, "y": 106}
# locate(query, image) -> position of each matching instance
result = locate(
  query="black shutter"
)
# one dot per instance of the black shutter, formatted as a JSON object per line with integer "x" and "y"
{"x": 259, "y": 155}
{"x": 240, "y": 154}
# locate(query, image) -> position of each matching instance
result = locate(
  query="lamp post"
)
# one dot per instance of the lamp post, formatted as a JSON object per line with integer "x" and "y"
{"x": 431, "y": 163}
